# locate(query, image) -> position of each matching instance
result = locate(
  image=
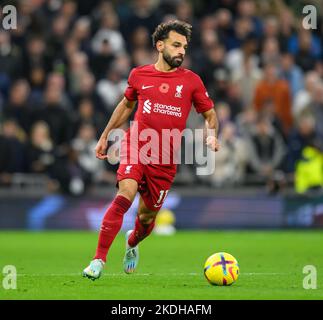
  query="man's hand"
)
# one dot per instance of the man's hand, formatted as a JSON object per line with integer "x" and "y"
{"x": 212, "y": 126}
{"x": 212, "y": 143}
{"x": 101, "y": 149}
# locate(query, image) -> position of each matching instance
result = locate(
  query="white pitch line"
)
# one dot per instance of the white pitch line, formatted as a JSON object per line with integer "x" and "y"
{"x": 263, "y": 273}
{"x": 142, "y": 274}
{"x": 104, "y": 275}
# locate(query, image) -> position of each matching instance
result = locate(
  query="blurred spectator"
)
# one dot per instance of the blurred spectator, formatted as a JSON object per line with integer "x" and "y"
{"x": 71, "y": 46}
{"x": 58, "y": 119}
{"x": 17, "y": 107}
{"x": 243, "y": 28}
{"x": 123, "y": 63}
{"x": 247, "y": 9}
{"x": 291, "y": 73}
{"x": 86, "y": 113}
{"x": 45, "y": 158}
{"x": 109, "y": 34}
{"x": 28, "y": 21}
{"x": 247, "y": 78}
{"x": 268, "y": 112}
{"x": 59, "y": 29}
{"x": 224, "y": 114}
{"x": 234, "y": 99}
{"x": 306, "y": 47}
{"x": 142, "y": 13}
{"x": 214, "y": 64}
{"x": 141, "y": 57}
{"x": 81, "y": 33}
{"x": 209, "y": 40}
{"x": 102, "y": 59}
{"x": 184, "y": 11}
{"x": 271, "y": 27}
{"x": 140, "y": 39}
{"x": 274, "y": 90}
{"x": 56, "y": 81}
{"x": 304, "y": 134}
{"x": 246, "y": 121}
{"x": 286, "y": 27}
{"x": 85, "y": 7}
{"x": 218, "y": 88}
{"x": 78, "y": 66}
{"x": 41, "y": 153}
{"x": 231, "y": 159}
{"x": 305, "y": 96}
{"x": 309, "y": 173}
{"x": 316, "y": 107}
{"x": 230, "y": 5}
{"x": 37, "y": 83}
{"x": 36, "y": 56}
{"x": 12, "y": 147}
{"x": 10, "y": 61}
{"x": 83, "y": 145}
{"x": 68, "y": 10}
{"x": 223, "y": 25}
{"x": 270, "y": 7}
{"x": 270, "y": 52}
{"x": 112, "y": 88}
{"x": 247, "y": 51}
{"x": 319, "y": 68}
{"x": 106, "y": 7}
{"x": 266, "y": 150}
{"x": 88, "y": 91}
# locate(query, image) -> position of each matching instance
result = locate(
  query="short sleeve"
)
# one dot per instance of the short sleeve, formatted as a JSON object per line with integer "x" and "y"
{"x": 201, "y": 99}
{"x": 131, "y": 92}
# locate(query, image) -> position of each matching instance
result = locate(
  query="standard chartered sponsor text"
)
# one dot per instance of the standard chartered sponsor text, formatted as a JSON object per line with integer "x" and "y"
{"x": 167, "y": 109}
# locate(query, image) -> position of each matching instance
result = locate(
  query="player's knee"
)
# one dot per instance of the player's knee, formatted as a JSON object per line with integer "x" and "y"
{"x": 128, "y": 189}
{"x": 127, "y": 194}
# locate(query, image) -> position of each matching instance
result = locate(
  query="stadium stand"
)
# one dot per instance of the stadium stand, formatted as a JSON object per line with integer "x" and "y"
{"x": 65, "y": 67}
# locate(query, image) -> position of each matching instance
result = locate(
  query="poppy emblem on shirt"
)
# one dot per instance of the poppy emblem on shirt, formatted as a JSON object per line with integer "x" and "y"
{"x": 164, "y": 87}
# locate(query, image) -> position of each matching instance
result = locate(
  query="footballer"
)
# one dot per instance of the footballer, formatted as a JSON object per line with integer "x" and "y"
{"x": 164, "y": 93}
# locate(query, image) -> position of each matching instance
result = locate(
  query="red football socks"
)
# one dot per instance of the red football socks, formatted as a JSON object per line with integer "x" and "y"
{"x": 140, "y": 232}
{"x": 111, "y": 225}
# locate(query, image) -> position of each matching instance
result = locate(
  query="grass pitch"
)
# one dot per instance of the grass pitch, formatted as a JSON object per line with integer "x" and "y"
{"x": 49, "y": 265}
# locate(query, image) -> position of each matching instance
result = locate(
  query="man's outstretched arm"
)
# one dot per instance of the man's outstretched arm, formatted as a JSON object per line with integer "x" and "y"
{"x": 212, "y": 128}
{"x": 119, "y": 116}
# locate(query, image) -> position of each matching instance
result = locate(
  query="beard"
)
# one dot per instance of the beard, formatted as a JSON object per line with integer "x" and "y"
{"x": 173, "y": 62}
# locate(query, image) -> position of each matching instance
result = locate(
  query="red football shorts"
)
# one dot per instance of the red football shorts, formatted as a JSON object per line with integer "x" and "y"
{"x": 154, "y": 181}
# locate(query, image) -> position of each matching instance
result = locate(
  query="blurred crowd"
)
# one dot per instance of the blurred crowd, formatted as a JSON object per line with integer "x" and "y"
{"x": 65, "y": 67}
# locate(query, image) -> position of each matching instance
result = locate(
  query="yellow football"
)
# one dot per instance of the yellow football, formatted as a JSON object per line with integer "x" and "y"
{"x": 221, "y": 269}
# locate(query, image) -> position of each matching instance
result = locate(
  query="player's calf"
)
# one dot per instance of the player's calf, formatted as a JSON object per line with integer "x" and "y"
{"x": 144, "y": 225}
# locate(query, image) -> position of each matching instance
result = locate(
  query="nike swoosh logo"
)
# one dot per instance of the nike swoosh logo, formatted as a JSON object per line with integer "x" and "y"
{"x": 146, "y": 87}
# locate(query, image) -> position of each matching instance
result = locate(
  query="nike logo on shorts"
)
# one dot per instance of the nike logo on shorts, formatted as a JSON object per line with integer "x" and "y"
{"x": 146, "y": 87}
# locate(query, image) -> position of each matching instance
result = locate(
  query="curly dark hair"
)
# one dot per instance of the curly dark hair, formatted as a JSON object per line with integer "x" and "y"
{"x": 162, "y": 30}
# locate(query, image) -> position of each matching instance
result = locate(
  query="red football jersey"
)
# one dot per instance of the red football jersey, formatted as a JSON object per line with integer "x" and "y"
{"x": 164, "y": 103}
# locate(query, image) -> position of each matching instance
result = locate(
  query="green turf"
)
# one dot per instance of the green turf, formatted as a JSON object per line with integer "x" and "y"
{"x": 49, "y": 265}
